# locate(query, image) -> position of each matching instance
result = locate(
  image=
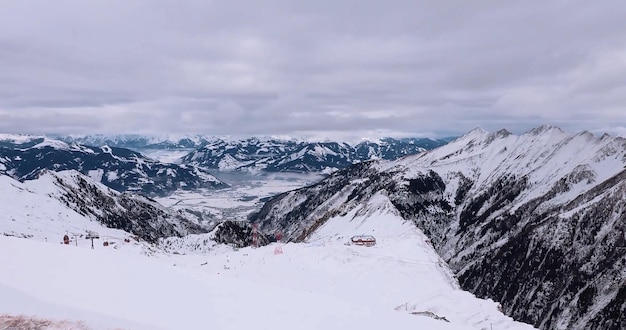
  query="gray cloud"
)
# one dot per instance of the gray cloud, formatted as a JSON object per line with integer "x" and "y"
{"x": 317, "y": 68}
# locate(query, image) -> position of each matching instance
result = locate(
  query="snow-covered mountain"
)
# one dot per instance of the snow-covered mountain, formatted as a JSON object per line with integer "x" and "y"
{"x": 139, "y": 142}
{"x": 193, "y": 283}
{"x": 25, "y": 157}
{"x": 535, "y": 221}
{"x": 69, "y": 202}
{"x": 272, "y": 155}
{"x": 263, "y": 153}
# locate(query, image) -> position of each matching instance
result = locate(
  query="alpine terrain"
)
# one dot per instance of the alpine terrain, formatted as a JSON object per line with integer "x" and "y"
{"x": 260, "y": 153}
{"x": 273, "y": 155}
{"x": 26, "y": 157}
{"x": 152, "y": 268}
{"x": 56, "y": 199}
{"x": 139, "y": 142}
{"x": 534, "y": 221}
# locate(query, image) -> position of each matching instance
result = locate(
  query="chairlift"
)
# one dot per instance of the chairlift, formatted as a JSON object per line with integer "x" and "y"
{"x": 92, "y": 235}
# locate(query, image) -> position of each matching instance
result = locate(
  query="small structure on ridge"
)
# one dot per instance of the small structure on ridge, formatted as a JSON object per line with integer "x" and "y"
{"x": 364, "y": 240}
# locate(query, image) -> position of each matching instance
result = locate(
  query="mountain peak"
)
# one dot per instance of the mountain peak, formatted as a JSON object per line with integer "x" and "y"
{"x": 475, "y": 134}
{"x": 477, "y": 130}
{"x": 545, "y": 129}
{"x": 503, "y": 133}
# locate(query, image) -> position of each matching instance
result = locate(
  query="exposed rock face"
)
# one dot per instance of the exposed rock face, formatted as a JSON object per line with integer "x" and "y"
{"x": 132, "y": 213}
{"x": 238, "y": 235}
{"x": 534, "y": 221}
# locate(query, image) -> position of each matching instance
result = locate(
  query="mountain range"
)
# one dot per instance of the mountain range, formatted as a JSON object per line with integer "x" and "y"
{"x": 118, "y": 161}
{"x": 186, "y": 141}
{"x": 26, "y": 157}
{"x": 138, "y": 141}
{"x": 273, "y": 155}
{"x": 534, "y": 221}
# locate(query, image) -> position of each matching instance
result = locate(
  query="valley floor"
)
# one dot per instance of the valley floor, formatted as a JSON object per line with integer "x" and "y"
{"x": 246, "y": 193}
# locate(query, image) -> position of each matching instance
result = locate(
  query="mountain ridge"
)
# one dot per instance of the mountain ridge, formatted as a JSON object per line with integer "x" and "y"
{"x": 292, "y": 156}
{"x": 25, "y": 158}
{"x": 142, "y": 141}
{"x": 71, "y": 201}
{"x": 254, "y": 154}
{"x": 493, "y": 203}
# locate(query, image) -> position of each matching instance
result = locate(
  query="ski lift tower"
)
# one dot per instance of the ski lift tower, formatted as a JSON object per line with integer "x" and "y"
{"x": 92, "y": 235}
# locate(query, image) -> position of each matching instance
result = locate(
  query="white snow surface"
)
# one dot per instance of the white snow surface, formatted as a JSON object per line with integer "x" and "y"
{"x": 165, "y": 155}
{"x": 96, "y": 175}
{"x": 29, "y": 209}
{"x": 321, "y": 284}
{"x": 545, "y": 155}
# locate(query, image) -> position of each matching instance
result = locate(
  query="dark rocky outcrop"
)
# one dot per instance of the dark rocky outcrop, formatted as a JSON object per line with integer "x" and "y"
{"x": 535, "y": 221}
{"x": 135, "y": 214}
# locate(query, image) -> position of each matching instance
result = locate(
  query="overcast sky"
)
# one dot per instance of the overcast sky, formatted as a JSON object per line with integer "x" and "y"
{"x": 339, "y": 68}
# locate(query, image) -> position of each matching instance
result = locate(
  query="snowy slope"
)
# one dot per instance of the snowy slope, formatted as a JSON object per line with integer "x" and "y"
{"x": 69, "y": 202}
{"x": 408, "y": 254}
{"x": 28, "y": 210}
{"x": 534, "y": 221}
{"x": 544, "y": 155}
{"x": 323, "y": 284}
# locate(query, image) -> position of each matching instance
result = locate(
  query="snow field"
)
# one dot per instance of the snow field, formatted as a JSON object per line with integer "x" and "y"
{"x": 321, "y": 284}
{"x": 109, "y": 288}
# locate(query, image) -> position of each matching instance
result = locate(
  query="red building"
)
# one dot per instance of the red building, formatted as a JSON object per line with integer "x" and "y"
{"x": 364, "y": 240}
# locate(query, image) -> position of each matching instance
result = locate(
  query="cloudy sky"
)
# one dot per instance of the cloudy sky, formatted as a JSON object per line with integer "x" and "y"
{"x": 341, "y": 68}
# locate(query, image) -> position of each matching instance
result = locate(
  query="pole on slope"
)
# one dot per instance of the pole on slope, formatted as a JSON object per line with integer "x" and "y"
{"x": 255, "y": 235}
{"x": 278, "y": 249}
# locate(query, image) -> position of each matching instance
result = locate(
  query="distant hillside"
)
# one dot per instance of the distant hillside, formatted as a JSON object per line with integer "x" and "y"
{"x": 296, "y": 156}
{"x": 25, "y": 158}
{"x": 265, "y": 154}
{"x": 138, "y": 142}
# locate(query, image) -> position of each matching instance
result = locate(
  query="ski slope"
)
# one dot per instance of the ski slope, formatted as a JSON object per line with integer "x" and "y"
{"x": 32, "y": 209}
{"x": 306, "y": 287}
{"x": 322, "y": 284}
